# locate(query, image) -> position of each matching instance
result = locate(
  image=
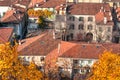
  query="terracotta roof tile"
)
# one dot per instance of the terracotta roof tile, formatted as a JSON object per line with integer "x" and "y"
{"x": 87, "y": 8}
{"x": 79, "y": 50}
{"x": 39, "y": 45}
{"x": 5, "y": 34}
{"x": 89, "y": 51}
{"x": 34, "y": 2}
{"x": 6, "y": 2}
{"x": 48, "y": 3}
{"x": 10, "y": 16}
{"x": 23, "y": 2}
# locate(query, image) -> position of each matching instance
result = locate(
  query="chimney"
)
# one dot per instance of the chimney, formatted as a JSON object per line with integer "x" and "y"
{"x": 59, "y": 46}
{"x": 45, "y": 0}
{"x": 105, "y": 20}
{"x": 37, "y": 5}
{"x": 53, "y": 34}
{"x": 76, "y": 1}
{"x": 101, "y": 9}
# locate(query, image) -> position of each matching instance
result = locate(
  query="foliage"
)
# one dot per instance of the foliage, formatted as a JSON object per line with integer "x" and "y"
{"x": 12, "y": 68}
{"x": 107, "y": 68}
{"x": 36, "y": 13}
{"x": 42, "y": 15}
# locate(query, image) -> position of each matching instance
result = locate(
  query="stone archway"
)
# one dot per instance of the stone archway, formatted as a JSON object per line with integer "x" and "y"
{"x": 89, "y": 37}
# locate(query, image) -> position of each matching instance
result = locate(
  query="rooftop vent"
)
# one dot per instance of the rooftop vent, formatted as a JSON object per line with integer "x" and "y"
{"x": 83, "y": 46}
{"x": 97, "y": 46}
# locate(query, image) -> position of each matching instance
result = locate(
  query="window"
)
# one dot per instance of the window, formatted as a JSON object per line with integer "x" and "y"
{"x": 89, "y": 61}
{"x": 3, "y": 13}
{"x": 90, "y": 27}
{"x": 71, "y": 18}
{"x": 82, "y": 71}
{"x": 76, "y": 71}
{"x": 42, "y": 59}
{"x": 75, "y": 61}
{"x": 81, "y": 18}
{"x": 108, "y": 37}
{"x": 109, "y": 29}
{"x": 80, "y": 27}
{"x": 100, "y": 29}
{"x": 90, "y": 18}
{"x": 71, "y": 36}
{"x": 71, "y": 26}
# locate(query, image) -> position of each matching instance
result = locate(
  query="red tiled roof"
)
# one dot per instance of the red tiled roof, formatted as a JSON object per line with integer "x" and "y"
{"x": 118, "y": 13}
{"x": 23, "y": 2}
{"x": 48, "y": 3}
{"x": 99, "y": 17}
{"x": 104, "y": 13}
{"x": 6, "y": 2}
{"x": 115, "y": 48}
{"x": 39, "y": 45}
{"x": 79, "y": 50}
{"x": 5, "y": 34}
{"x": 89, "y": 51}
{"x": 12, "y": 2}
{"x": 11, "y": 17}
{"x": 34, "y": 2}
{"x": 87, "y": 8}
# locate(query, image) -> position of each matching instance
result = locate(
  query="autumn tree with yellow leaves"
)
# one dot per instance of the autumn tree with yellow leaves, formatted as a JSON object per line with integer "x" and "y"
{"x": 12, "y": 68}
{"x": 42, "y": 15}
{"x": 107, "y": 67}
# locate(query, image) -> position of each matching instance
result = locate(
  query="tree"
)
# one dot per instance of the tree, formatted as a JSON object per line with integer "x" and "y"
{"x": 42, "y": 15}
{"x": 107, "y": 67}
{"x": 12, "y": 68}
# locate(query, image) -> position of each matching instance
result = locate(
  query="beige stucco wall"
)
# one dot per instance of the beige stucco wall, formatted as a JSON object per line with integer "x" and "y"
{"x": 36, "y": 59}
{"x": 85, "y": 22}
{"x": 105, "y": 32}
{"x": 67, "y": 63}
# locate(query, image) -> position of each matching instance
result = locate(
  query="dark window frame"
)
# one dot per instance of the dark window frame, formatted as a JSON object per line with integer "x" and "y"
{"x": 90, "y": 19}
{"x": 81, "y": 27}
{"x": 81, "y": 18}
{"x": 90, "y": 27}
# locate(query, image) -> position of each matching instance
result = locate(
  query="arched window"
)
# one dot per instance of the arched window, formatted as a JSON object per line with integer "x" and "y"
{"x": 80, "y": 27}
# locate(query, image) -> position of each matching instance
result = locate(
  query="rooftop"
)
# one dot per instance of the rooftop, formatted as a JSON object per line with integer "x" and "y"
{"x": 5, "y": 34}
{"x": 48, "y": 3}
{"x": 10, "y": 16}
{"x": 42, "y": 44}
